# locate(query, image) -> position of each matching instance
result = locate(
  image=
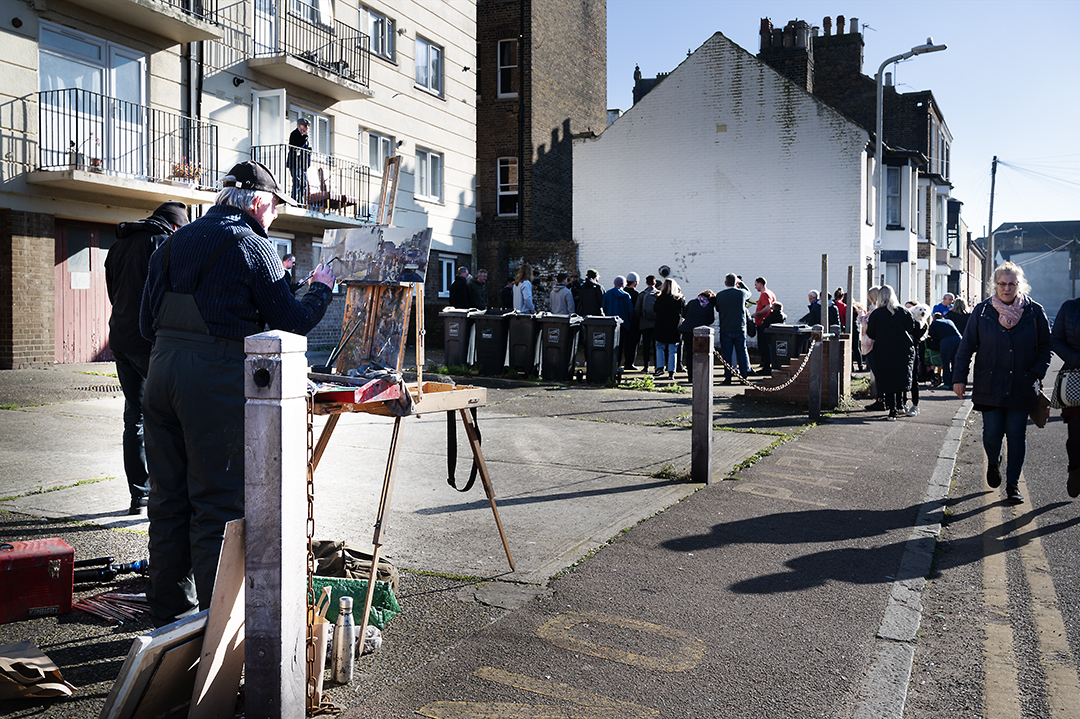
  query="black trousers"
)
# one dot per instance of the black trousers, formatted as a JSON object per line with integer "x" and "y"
{"x": 194, "y": 433}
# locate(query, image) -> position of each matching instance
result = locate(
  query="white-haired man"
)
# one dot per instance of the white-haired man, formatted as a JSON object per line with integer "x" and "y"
{"x": 213, "y": 283}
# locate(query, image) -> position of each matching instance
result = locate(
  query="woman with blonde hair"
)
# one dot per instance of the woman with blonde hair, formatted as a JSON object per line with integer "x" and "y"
{"x": 866, "y": 345}
{"x": 523, "y": 300}
{"x": 892, "y": 327}
{"x": 1010, "y": 338}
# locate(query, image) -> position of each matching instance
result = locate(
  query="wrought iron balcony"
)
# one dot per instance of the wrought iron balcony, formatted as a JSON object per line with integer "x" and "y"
{"x": 332, "y": 58}
{"x": 176, "y": 20}
{"x": 318, "y": 182}
{"x": 80, "y": 130}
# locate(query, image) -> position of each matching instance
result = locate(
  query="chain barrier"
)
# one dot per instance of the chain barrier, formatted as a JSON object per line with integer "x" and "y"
{"x": 315, "y": 705}
{"x": 760, "y": 388}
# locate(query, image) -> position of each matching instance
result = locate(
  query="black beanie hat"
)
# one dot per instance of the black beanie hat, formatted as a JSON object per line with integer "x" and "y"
{"x": 173, "y": 212}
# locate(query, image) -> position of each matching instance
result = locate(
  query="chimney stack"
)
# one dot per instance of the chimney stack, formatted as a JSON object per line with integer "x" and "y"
{"x": 766, "y": 33}
{"x": 827, "y": 23}
{"x": 840, "y": 25}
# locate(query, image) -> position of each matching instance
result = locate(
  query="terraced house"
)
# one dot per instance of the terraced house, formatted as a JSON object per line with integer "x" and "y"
{"x": 110, "y": 107}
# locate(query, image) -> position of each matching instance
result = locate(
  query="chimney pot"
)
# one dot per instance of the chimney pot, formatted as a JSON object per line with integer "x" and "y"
{"x": 888, "y": 79}
{"x": 766, "y": 33}
{"x": 827, "y": 23}
{"x": 854, "y": 26}
{"x": 840, "y": 25}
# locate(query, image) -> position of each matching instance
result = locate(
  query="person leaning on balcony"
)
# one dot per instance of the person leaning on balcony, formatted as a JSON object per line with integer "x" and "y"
{"x": 299, "y": 160}
{"x": 125, "y": 275}
{"x": 213, "y": 283}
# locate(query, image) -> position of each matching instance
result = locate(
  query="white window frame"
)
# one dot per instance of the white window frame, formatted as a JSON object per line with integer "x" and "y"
{"x": 428, "y": 178}
{"x": 893, "y": 196}
{"x": 429, "y": 66}
{"x": 508, "y": 162}
{"x": 386, "y": 149}
{"x": 318, "y": 128}
{"x": 381, "y": 30}
{"x": 509, "y": 87}
{"x": 449, "y": 269}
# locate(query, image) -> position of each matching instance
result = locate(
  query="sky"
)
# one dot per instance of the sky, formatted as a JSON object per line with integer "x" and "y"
{"x": 1007, "y": 84}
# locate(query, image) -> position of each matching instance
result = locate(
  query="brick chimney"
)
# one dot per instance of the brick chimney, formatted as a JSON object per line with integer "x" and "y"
{"x": 789, "y": 51}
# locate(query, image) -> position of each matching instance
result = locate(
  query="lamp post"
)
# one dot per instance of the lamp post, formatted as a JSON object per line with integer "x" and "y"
{"x": 879, "y": 203}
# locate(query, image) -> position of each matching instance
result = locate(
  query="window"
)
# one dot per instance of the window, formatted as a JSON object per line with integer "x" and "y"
{"x": 448, "y": 269}
{"x": 892, "y": 196}
{"x": 307, "y": 9}
{"x": 318, "y": 128}
{"x": 508, "y": 68}
{"x": 381, "y": 30}
{"x": 508, "y": 186}
{"x": 379, "y": 149}
{"x": 428, "y": 66}
{"x": 428, "y": 175}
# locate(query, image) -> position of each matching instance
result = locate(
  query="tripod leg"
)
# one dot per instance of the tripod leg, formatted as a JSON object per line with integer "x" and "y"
{"x": 478, "y": 455}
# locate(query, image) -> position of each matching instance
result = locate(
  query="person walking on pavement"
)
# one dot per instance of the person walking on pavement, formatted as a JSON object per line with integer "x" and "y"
{"x": 645, "y": 314}
{"x": 213, "y": 283}
{"x": 591, "y": 295}
{"x": 944, "y": 333}
{"x": 892, "y": 328}
{"x": 478, "y": 298}
{"x": 669, "y": 307}
{"x": 299, "y": 160}
{"x": 125, "y": 274}
{"x": 523, "y": 299}
{"x": 947, "y": 301}
{"x": 765, "y": 301}
{"x": 459, "y": 289}
{"x": 1065, "y": 342}
{"x": 866, "y": 348}
{"x": 699, "y": 312}
{"x": 1010, "y": 338}
{"x": 958, "y": 315}
{"x": 731, "y": 304}
{"x": 633, "y": 332}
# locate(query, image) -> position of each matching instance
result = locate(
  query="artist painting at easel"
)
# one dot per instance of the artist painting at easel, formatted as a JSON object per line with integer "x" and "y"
{"x": 214, "y": 282}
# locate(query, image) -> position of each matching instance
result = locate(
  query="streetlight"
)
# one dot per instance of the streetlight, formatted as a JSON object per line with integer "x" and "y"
{"x": 879, "y": 220}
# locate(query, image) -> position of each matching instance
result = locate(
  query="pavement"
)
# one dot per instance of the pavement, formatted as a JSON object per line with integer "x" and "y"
{"x": 790, "y": 586}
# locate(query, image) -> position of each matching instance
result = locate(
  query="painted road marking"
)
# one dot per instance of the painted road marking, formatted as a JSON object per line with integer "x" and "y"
{"x": 685, "y": 656}
{"x": 768, "y": 490}
{"x": 1001, "y": 694}
{"x": 585, "y": 705}
{"x": 826, "y": 482}
{"x": 826, "y": 466}
{"x": 1062, "y": 684}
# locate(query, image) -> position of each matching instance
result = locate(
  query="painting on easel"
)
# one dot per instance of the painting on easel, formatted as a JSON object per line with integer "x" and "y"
{"x": 383, "y": 269}
{"x": 378, "y": 254}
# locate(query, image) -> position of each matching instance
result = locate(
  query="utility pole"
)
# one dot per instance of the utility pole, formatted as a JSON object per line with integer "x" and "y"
{"x": 988, "y": 263}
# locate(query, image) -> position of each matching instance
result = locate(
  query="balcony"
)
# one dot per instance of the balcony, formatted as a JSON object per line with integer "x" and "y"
{"x": 332, "y": 59}
{"x": 331, "y": 192}
{"x": 98, "y": 148}
{"x": 177, "y": 20}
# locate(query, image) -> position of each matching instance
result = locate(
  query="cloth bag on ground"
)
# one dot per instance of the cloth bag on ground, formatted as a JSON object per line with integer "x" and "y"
{"x": 345, "y": 570}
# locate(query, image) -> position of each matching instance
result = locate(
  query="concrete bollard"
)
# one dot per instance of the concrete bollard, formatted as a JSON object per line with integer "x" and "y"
{"x": 701, "y": 440}
{"x": 275, "y": 494}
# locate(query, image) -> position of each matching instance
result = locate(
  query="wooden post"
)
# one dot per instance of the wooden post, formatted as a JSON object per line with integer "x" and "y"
{"x": 276, "y": 517}
{"x": 850, "y": 320}
{"x": 817, "y": 350}
{"x": 701, "y": 440}
{"x": 826, "y": 293}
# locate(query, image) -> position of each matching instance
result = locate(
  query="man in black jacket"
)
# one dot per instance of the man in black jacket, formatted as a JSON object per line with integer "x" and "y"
{"x": 459, "y": 289}
{"x": 213, "y": 283}
{"x": 125, "y": 275}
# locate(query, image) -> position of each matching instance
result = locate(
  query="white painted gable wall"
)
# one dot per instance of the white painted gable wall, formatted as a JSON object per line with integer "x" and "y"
{"x": 725, "y": 166}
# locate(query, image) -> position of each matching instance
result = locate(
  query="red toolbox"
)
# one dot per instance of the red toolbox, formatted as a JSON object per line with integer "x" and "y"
{"x": 36, "y": 579}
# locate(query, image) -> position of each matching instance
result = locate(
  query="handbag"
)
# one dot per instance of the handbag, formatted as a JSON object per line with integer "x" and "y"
{"x": 751, "y": 328}
{"x": 1040, "y": 413}
{"x": 1066, "y": 389}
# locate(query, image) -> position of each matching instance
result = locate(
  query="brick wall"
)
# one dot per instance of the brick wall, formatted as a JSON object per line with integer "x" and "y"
{"x": 27, "y": 324}
{"x": 798, "y": 392}
{"x": 567, "y": 55}
{"x": 725, "y": 166}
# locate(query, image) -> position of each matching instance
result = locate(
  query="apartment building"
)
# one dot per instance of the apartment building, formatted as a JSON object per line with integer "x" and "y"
{"x": 111, "y": 107}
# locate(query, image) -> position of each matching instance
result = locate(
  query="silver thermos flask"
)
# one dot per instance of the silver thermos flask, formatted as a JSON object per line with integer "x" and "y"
{"x": 341, "y": 667}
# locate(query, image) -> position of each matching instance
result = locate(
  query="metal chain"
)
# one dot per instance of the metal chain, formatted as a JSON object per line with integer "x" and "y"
{"x": 759, "y": 387}
{"x": 312, "y": 702}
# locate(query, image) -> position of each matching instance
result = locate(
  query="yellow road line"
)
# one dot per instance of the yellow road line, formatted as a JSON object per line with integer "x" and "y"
{"x": 1062, "y": 683}
{"x": 1001, "y": 692}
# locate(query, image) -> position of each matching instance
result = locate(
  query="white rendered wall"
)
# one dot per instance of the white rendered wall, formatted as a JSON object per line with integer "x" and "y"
{"x": 725, "y": 166}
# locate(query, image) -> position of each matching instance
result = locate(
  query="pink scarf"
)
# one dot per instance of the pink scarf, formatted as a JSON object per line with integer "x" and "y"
{"x": 1009, "y": 315}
